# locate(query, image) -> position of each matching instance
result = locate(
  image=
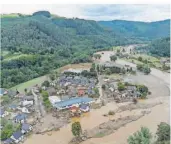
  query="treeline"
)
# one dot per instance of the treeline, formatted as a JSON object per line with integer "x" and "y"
{"x": 50, "y": 42}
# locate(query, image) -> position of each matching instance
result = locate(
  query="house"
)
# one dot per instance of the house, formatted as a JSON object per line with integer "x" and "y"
{"x": 131, "y": 88}
{"x": 51, "y": 91}
{"x": 3, "y": 92}
{"x": 8, "y": 141}
{"x": 84, "y": 107}
{"x": 3, "y": 113}
{"x": 81, "y": 91}
{"x": 19, "y": 95}
{"x": 72, "y": 102}
{"x": 17, "y": 137}
{"x": 54, "y": 99}
{"x": 27, "y": 100}
{"x": 13, "y": 107}
{"x": 20, "y": 118}
{"x": 25, "y": 128}
{"x": 65, "y": 97}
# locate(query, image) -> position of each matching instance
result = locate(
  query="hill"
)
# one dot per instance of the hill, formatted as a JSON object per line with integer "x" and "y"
{"x": 141, "y": 30}
{"x": 42, "y": 42}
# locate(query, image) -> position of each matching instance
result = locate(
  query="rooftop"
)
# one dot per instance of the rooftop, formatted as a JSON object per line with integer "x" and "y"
{"x": 72, "y": 101}
{"x": 17, "y": 134}
{"x": 2, "y": 111}
{"x": 20, "y": 116}
{"x": 8, "y": 141}
{"x": 25, "y": 126}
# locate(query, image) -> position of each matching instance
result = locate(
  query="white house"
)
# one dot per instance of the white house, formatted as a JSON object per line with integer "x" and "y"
{"x": 24, "y": 110}
{"x": 17, "y": 137}
{"x": 26, "y": 102}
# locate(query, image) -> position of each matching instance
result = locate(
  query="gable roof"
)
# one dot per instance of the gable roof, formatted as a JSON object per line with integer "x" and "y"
{"x": 25, "y": 126}
{"x": 2, "y": 111}
{"x": 8, "y": 141}
{"x": 17, "y": 134}
{"x": 21, "y": 116}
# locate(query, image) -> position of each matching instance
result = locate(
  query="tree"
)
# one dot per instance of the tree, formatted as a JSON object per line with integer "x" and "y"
{"x": 121, "y": 86}
{"x": 140, "y": 137}
{"x": 147, "y": 70}
{"x": 7, "y": 131}
{"x": 52, "y": 76}
{"x": 6, "y": 99}
{"x": 25, "y": 90}
{"x": 134, "y": 100}
{"x": 140, "y": 58}
{"x": 103, "y": 86}
{"x": 46, "y": 83}
{"x": 163, "y": 132}
{"x": 113, "y": 58}
{"x": 97, "y": 56}
{"x": 118, "y": 50}
{"x": 76, "y": 129}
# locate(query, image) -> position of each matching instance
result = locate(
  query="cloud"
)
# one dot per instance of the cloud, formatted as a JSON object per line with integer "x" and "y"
{"x": 98, "y": 12}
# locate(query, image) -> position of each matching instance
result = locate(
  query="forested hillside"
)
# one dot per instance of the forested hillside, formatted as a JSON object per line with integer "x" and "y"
{"x": 33, "y": 45}
{"x": 141, "y": 30}
{"x": 38, "y": 43}
{"x": 158, "y": 47}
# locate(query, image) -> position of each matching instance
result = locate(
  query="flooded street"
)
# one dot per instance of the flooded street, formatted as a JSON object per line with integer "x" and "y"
{"x": 157, "y": 82}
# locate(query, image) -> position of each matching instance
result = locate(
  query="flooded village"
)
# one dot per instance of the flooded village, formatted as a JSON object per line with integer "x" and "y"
{"x": 111, "y": 99}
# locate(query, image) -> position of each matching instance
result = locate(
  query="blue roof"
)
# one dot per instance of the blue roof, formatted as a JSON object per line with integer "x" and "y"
{"x": 72, "y": 101}
{"x": 17, "y": 134}
{"x": 25, "y": 126}
{"x": 13, "y": 106}
{"x": 20, "y": 116}
{"x": 84, "y": 106}
{"x": 2, "y": 111}
{"x": 8, "y": 141}
{"x": 2, "y": 91}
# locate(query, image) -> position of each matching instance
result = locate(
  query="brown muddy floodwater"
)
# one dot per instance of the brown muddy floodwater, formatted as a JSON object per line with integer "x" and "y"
{"x": 159, "y": 113}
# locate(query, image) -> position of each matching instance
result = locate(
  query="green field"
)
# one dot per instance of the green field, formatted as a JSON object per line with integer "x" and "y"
{"x": 30, "y": 83}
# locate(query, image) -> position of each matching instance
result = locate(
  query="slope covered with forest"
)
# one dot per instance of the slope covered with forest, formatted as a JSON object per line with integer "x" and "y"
{"x": 38, "y": 43}
{"x": 159, "y": 47}
{"x": 33, "y": 45}
{"x": 141, "y": 30}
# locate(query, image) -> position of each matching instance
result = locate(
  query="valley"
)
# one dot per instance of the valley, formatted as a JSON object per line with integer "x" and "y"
{"x": 69, "y": 80}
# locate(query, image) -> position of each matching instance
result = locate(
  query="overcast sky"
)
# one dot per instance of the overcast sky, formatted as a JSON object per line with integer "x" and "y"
{"x": 97, "y": 12}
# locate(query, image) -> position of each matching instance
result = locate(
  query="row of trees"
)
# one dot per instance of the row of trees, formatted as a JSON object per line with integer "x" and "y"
{"x": 46, "y": 101}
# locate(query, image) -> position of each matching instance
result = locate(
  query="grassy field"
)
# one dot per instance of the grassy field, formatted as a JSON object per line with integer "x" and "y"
{"x": 148, "y": 57}
{"x": 41, "y": 79}
{"x": 30, "y": 83}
